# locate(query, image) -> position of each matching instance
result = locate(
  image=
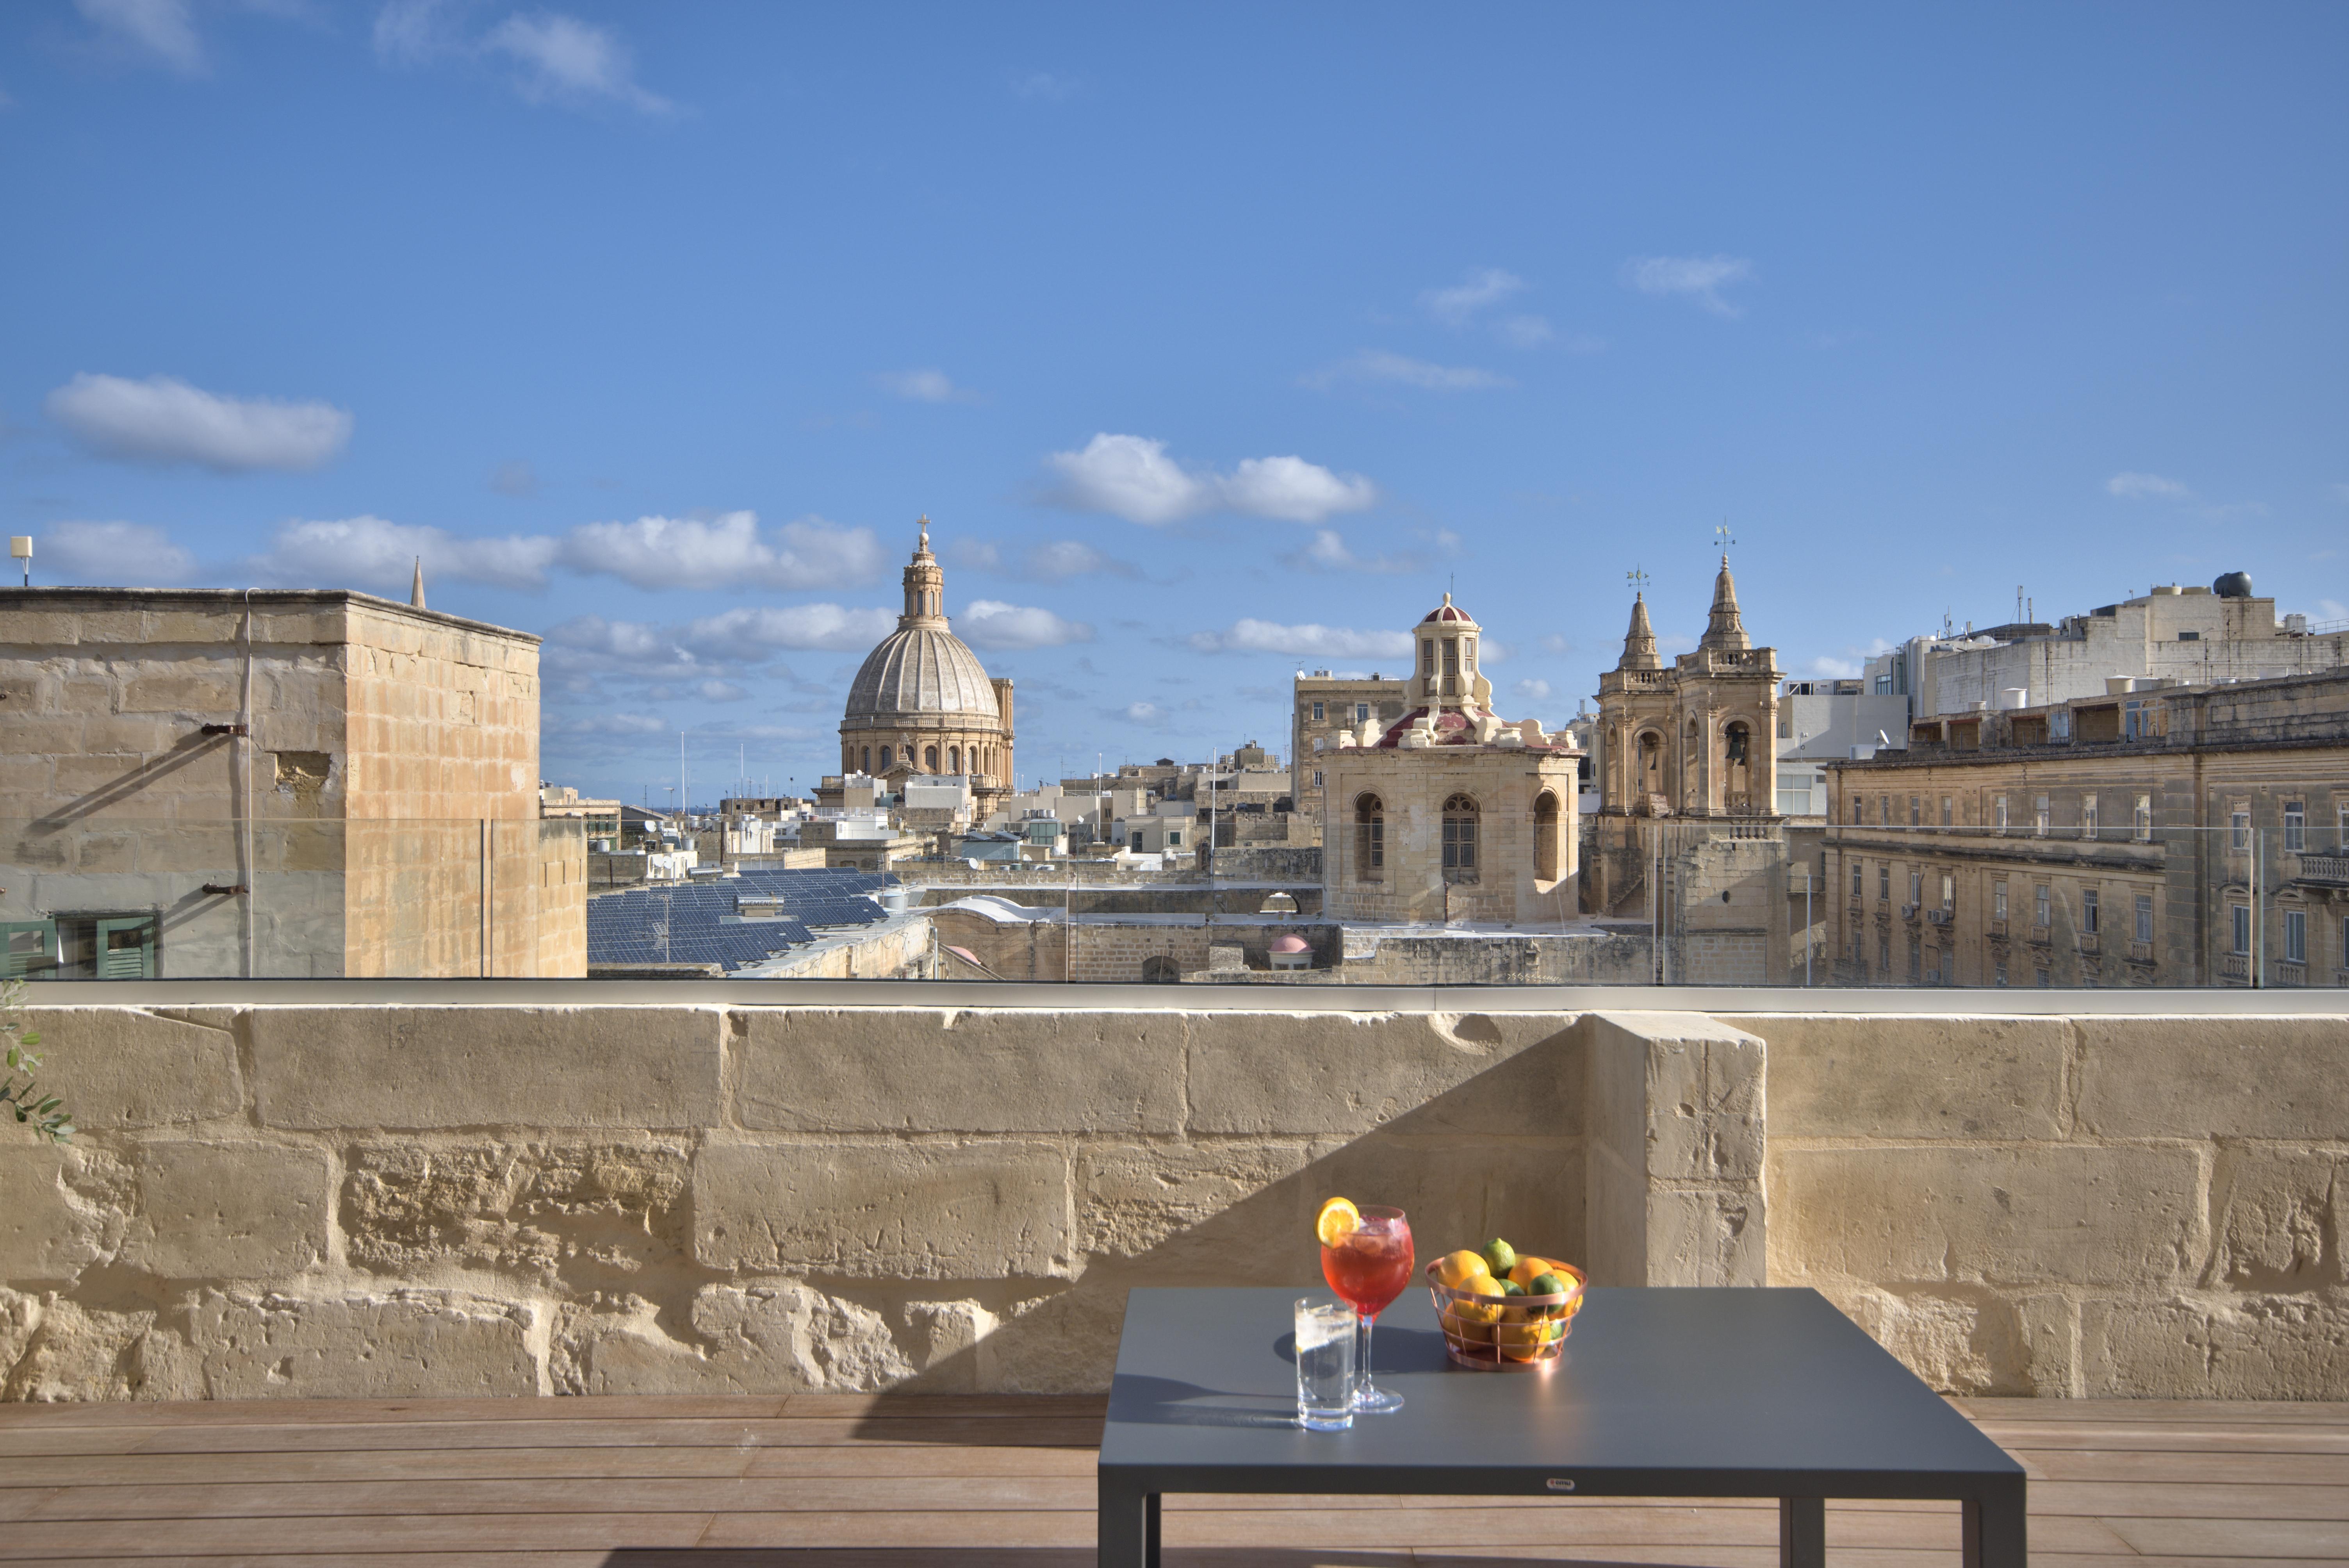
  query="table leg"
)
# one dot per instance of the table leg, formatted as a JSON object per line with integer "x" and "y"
{"x": 1802, "y": 1532}
{"x": 1997, "y": 1529}
{"x": 1125, "y": 1522}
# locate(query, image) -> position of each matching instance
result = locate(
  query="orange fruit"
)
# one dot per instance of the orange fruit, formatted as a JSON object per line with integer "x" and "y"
{"x": 1531, "y": 1268}
{"x": 1338, "y": 1220}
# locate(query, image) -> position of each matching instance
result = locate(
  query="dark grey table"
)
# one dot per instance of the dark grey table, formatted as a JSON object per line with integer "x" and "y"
{"x": 1663, "y": 1393}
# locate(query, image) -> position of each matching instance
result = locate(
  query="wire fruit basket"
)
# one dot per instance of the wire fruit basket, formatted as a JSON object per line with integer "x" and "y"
{"x": 1506, "y": 1334}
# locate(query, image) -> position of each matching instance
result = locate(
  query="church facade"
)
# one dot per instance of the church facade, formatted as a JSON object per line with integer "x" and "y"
{"x": 922, "y": 702}
{"x": 1697, "y": 738}
{"x": 1449, "y": 813}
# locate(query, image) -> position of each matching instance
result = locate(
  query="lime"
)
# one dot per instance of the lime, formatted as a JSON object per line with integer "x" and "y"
{"x": 1500, "y": 1257}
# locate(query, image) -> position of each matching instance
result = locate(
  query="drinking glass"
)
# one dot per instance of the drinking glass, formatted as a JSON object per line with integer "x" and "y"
{"x": 1369, "y": 1267}
{"x": 1325, "y": 1365}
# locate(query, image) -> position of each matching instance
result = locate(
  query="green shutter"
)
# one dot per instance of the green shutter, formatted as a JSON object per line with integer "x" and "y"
{"x": 26, "y": 946}
{"x": 125, "y": 948}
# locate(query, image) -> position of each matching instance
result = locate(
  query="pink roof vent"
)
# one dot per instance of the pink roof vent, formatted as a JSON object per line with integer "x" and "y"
{"x": 1290, "y": 944}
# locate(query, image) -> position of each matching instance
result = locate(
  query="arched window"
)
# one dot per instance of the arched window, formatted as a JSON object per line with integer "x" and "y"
{"x": 1459, "y": 840}
{"x": 868, "y": 759}
{"x": 1738, "y": 742}
{"x": 954, "y": 758}
{"x": 1369, "y": 838}
{"x": 884, "y": 760}
{"x": 1160, "y": 970}
{"x": 930, "y": 760}
{"x": 1546, "y": 837}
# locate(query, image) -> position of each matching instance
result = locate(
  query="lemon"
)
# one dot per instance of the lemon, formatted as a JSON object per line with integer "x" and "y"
{"x": 1466, "y": 1271}
{"x": 1338, "y": 1220}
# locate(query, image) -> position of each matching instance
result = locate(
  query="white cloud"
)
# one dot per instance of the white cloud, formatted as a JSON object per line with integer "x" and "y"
{"x": 729, "y": 552}
{"x": 1835, "y": 668}
{"x": 750, "y": 634}
{"x": 1553, "y": 644}
{"x": 1063, "y": 558}
{"x": 1148, "y": 714}
{"x": 719, "y": 691}
{"x": 565, "y": 59}
{"x": 1462, "y": 300}
{"x": 161, "y": 29}
{"x": 2146, "y": 487}
{"x": 1377, "y": 365}
{"x": 1701, "y": 278}
{"x": 1328, "y": 552}
{"x": 1526, "y": 331}
{"x": 1532, "y": 690}
{"x": 162, "y": 420}
{"x": 110, "y": 554}
{"x": 407, "y": 32}
{"x": 991, "y": 624}
{"x": 370, "y": 552}
{"x": 925, "y": 386}
{"x": 1251, "y": 637}
{"x": 1132, "y": 477}
{"x": 1294, "y": 490}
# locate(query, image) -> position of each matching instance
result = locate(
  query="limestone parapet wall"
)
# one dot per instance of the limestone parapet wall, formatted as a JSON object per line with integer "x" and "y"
{"x": 397, "y": 1200}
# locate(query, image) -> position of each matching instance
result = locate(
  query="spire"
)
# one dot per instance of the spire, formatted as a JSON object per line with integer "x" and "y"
{"x": 1726, "y": 628}
{"x": 416, "y": 587}
{"x": 1639, "y": 642}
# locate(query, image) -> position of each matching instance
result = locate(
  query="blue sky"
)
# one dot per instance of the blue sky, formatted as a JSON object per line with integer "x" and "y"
{"x": 1216, "y": 342}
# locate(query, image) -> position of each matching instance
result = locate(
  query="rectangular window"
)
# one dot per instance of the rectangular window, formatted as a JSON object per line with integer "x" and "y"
{"x": 2295, "y": 827}
{"x": 1884, "y": 880}
{"x": 1884, "y": 957}
{"x": 1174, "y": 840}
{"x": 2142, "y": 820}
{"x": 1884, "y": 811}
{"x": 2041, "y": 975}
{"x": 1916, "y": 886}
{"x": 1949, "y": 813}
{"x": 1948, "y": 891}
{"x": 1855, "y": 879}
{"x": 1362, "y": 712}
{"x": 2040, "y": 904}
{"x": 1998, "y": 900}
{"x": 1916, "y": 960}
{"x": 1451, "y": 655}
{"x": 1317, "y": 779}
{"x": 2295, "y": 936}
{"x": 1316, "y": 713}
{"x": 1998, "y": 813}
{"x": 2039, "y": 816}
{"x": 1855, "y": 804}
{"x": 1914, "y": 819}
{"x": 2145, "y": 917}
{"x": 1998, "y": 973}
{"x": 1785, "y": 727}
{"x": 1427, "y": 657}
{"x": 2088, "y": 911}
{"x": 2238, "y": 830}
{"x": 2087, "y": 816}
{"x": 2241, "y": 916}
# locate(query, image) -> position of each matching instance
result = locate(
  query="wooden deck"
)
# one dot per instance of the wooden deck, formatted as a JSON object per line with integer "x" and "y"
{"x": 827, "y": 1481}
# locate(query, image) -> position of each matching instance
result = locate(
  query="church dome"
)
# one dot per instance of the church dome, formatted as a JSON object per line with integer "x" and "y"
{"x": 922, "y": 669}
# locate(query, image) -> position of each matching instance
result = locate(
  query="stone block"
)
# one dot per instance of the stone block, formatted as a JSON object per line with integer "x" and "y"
{"x": 889, "y": 1070}
{"x": 778, "y": 1338}
{"x": 1211, "y": 1202}
{"x": 470, "y": 1066}
{"x": 1957, "y": 1342}
{"x": 64, "y": 1210}
{"x": 1273, "y": 1074}
{"x": 1064, "y": 1343}
{"x": 56, "y": 1349}
{"x": 1677, "y": 1097}
{"x": 982, "y": 1210}
{"x": 228, "y": 1210}
{"x": 2278, "y": 1227}
{"x": 399, "y": 1345}
{"x": 209, "y": 693}
{"x": 131, "y": 1069}
{"x": 1706, "y": 1236}
{"x": 1892, "y": 1078}
{"x": 585, "y": 1218}
{"x": 1926, "y": 1215}
{"x": 2216, "y": 1347}
{"x": 2214, "y": 1078}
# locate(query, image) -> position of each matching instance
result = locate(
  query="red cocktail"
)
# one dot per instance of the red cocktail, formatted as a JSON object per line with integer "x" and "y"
{"x": 1368, "y": 1267}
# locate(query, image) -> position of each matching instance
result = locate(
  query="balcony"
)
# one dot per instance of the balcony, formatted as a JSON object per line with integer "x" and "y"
{"x": 2235, "y": 966}
{"x": 2329, "y": 870}
{"x": 1998, "y": 928}
{"x": 2091, "y": 943}
{"x": 2288, "y": 973}
{"x": 2140, "y": 953}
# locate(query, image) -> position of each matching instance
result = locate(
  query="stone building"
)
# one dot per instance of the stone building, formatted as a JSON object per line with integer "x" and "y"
{"x": 208, "y": 782}
{"x": 1448, "y": 813}
{"x": 1328, "y": 707}
{"x": 2157, "y": 835}
{"x": 922, "y": 703}
{"x": 2199, "y": 636}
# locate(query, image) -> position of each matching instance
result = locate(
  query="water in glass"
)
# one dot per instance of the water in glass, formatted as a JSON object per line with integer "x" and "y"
{"x": 1325, "y": 1366}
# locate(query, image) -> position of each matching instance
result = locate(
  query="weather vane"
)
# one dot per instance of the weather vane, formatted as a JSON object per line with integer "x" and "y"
{"x": 1637, "y": 579}
{"x": 1724, "y": 535}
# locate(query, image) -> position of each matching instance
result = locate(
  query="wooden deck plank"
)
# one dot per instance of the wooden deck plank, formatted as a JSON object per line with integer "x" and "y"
{"x": 1045, "y": 1432}
{"x": 2148, "y": 1412}
{"x": 915, "y": 1463}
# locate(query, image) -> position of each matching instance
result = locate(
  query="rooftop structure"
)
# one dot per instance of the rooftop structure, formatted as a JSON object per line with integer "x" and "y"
{"x": 922, "y": 703}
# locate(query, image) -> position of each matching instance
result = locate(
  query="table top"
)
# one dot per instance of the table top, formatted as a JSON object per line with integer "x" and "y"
{"x": 1660, "y": 1392}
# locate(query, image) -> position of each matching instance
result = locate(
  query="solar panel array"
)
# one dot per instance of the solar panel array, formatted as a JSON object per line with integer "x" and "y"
{"x": 688, "y": 923}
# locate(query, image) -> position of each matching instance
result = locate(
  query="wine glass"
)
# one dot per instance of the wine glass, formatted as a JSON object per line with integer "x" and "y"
{"x": 1368, "y": 1267}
